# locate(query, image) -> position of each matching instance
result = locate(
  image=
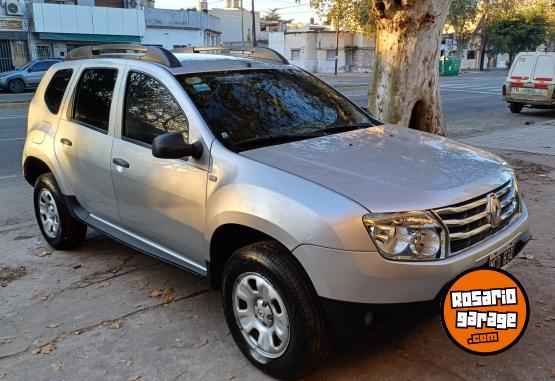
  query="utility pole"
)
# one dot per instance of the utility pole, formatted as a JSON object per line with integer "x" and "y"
{"x": 242, "y": 26}
{"x": 253, "y": 25}
{"x": 336, "y": 42}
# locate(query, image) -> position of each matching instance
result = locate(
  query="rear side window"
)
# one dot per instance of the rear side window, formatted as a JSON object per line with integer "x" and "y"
{"x": 523, "y": 66}
{"x": 93, "y": 97}
{"x": 56, "y": 89}
{"x": 151, "y": 110}
{"x": 545, "y": 68}
{"x": 43, "y": 65}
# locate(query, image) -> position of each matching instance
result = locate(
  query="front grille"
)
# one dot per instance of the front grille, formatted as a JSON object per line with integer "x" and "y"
{"x": 470, "y": 223}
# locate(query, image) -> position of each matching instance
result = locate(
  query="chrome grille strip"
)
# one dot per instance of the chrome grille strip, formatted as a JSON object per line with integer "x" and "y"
{"x": 472, "y": 233}
{"x": 466, "y": 221}
{"x": 463, "y": 208}
{"x": 470, "y": 223}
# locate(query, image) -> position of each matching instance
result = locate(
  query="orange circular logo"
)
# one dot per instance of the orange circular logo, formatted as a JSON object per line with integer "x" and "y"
{"x": 485, "y": 311}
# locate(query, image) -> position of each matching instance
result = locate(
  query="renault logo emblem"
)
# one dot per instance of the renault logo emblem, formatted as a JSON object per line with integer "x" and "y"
{"x": 494, "y": 210}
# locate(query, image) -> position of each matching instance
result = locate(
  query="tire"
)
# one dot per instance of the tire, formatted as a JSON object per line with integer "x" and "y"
{"x": 515, "y": 107}
{"x": 16, "y": 86}
{"x": 57, "y": 226}
{"x": 271, "y": 267}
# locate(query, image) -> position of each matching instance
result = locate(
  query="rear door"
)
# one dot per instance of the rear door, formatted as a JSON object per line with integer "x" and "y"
{"x": 162, "y": 200}
{"x": 520, "y": 77}
{"x": 544, "y": 74}
{"x": 36, "y": 71}
{"x": 84, "y": 139}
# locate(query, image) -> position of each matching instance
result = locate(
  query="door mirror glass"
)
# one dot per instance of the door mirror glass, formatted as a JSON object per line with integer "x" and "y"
{"x": 173, "y": 146}
{"x": 30, "y": 70}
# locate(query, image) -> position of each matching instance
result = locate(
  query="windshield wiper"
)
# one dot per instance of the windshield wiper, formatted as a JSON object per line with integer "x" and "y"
{"x": 247, "y": 144}
{"x": 264, "y": 141}
{"x": 346, "y": 127}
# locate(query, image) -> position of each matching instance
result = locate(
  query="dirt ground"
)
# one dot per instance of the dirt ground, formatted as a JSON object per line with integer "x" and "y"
{"x": 106, "y": 312}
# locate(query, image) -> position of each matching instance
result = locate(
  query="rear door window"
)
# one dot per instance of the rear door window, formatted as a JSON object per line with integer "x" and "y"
{"x": 545, "y": 66}
{"x": 523, "y": 66}
{"x": 56, "y": 89}
{"x": 93, "y": 97}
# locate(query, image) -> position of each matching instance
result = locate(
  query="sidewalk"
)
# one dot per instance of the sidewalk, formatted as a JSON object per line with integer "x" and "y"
{"x": 534, "y": 138}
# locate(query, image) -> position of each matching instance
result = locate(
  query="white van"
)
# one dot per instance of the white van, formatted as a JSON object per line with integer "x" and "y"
{"x": 531, "y": 81}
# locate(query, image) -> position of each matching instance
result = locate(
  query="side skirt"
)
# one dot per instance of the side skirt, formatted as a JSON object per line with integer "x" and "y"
{"x": 132, "y": 240}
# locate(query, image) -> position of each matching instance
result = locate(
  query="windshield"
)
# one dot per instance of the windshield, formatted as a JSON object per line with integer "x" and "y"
{"x": 255, "y": 108}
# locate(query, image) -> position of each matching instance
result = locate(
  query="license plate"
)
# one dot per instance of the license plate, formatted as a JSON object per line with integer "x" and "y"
{"x": 529, "y": 91}
{"x": 503, "y": 256}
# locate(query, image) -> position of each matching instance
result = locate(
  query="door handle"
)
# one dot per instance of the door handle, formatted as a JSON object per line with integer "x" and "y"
{"x": 120, "y": 162}
{"x": 66, "y": 142}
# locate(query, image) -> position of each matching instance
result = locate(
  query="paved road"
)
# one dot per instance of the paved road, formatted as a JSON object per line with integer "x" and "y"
{"x": 472, "y": 102}
{"x": 12, "y": 136}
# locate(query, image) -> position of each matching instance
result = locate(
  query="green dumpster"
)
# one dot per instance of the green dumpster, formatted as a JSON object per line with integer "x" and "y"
{"x": 449, "y": 66}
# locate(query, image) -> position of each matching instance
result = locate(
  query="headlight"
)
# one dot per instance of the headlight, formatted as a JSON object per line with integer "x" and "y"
{"x": 410, "y": 236}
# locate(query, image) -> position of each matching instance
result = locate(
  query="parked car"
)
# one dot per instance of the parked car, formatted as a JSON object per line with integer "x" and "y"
{"x": 303, "y": 209}
{"x": 27, "y": 76}
{"x": 531, "y": 81}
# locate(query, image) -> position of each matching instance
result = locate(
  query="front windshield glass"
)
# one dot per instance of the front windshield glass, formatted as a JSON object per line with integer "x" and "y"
{"x": 255, "y": 108}
{"x": 25, "y": 66}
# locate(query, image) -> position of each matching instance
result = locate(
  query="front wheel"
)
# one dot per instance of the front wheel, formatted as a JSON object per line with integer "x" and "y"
{"x": 58, "y": 227}
{"x": 272, "y": 310}
{"x": 515, "y": 107}
{"x": 16, "y": 86}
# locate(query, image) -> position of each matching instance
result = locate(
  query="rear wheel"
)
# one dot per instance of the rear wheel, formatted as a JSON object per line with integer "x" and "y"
{"x": 16, "y": 86}
{"x": 272, "y": 310}
{"x": 515, "y": 107}
{"x": 58, "y": 227}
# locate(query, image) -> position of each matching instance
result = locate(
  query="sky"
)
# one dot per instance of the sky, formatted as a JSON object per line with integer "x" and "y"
{"x": 289, "y": 9}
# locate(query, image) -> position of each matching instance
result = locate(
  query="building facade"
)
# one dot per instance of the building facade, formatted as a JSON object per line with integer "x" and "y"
{"x": 14, "y": 35}
{"x": 314, "y": 49}
{"x": 169, "y": 28}
{"x": 236, "y": 24}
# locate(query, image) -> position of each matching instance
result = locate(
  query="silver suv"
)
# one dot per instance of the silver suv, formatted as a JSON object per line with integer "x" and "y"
{"x": 238, "y": 167}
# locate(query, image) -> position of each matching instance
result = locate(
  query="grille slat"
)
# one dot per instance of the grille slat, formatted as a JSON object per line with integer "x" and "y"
{"x": 470, "y": 223}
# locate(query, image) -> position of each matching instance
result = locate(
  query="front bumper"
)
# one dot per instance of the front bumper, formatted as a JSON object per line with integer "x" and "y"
{"x": 366, "y": 277}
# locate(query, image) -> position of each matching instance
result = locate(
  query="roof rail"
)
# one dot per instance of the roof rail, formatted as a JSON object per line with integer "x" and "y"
{"x": 241, "y": 51}
{"x": 133, "y": 52}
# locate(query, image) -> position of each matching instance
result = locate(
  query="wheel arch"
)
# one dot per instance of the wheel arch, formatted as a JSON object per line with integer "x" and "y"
{"x": 34, "y": 167}
{"x": 227, "y": 239}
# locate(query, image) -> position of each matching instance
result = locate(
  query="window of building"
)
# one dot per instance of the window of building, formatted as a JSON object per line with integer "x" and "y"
{"x": 330, "y": 54}
{"x": 93, "y": 97}
{"x": 295, "y": 54}
{"x": 44, "y": 52}
{"x": 151, "y": 110}
{"x": 56, "y": 89}
{"x": 471, "y": 54}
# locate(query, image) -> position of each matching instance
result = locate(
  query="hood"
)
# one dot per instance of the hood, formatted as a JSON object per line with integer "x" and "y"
{"x": 8, "y": 73}
{"x": 389, "y": 168}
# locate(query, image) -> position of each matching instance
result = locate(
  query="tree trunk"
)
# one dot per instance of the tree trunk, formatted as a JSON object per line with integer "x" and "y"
{"x": 405, "y": 87}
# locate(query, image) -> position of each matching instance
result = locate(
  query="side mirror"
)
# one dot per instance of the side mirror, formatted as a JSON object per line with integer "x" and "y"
{"x": 30, "y": 70}
{"x": 173, "y": 146}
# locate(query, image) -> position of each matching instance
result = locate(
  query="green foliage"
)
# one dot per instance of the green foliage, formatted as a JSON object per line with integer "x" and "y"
{"x": 462, "y": 18}
{"x": 351, "y": 15}
{"x": 272, "y": 15}
{"x": 517, "y": 32}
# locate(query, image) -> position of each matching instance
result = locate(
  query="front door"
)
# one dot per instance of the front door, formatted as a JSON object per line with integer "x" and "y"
{"x": 83, "y": 143}
{"x": 161, "y": 200}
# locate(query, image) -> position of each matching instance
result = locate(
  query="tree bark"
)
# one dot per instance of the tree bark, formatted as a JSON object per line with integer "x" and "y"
{"x": 405, "y": 82}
